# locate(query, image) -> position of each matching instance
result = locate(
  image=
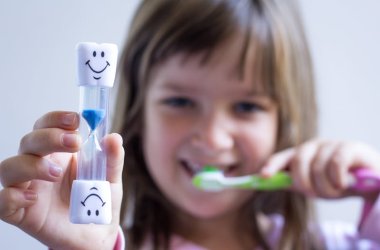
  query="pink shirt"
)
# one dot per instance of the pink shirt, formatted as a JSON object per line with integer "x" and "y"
{"x": 335, "y": 235}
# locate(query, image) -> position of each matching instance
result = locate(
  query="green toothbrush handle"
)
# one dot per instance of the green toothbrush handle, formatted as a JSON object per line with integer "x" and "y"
{"x": 279, "y": 180}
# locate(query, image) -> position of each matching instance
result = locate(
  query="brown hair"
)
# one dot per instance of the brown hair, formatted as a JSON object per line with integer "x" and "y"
{"x": 162, "y": 28}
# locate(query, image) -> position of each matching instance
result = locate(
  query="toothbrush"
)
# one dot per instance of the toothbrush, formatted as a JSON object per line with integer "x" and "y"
{"x": 365, "y": 180}
{"x": 212, "y": 179}
{"x": 90, "y": 200}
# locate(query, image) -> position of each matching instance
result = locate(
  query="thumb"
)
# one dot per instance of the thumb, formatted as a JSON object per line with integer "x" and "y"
{"x": 113, "y": 145}
{"x": 277, "y": 162}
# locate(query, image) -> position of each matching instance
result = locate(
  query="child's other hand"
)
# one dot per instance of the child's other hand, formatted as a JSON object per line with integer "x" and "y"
{"x": 37, "y": 184}
{"x": 321, "y": 168}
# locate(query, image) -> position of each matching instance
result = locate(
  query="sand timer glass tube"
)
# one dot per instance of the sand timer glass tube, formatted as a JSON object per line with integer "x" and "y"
{"x": 90, "y": 200}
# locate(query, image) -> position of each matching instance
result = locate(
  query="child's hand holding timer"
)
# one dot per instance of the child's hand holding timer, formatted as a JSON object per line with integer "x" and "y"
{"x": 37, "y": 182}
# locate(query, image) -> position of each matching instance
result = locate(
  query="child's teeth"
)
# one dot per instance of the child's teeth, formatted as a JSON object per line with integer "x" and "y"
{"x": 195, "y": 167}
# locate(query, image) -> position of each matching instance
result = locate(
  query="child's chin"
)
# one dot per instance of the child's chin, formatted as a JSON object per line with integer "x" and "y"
{"x": 206, "y": 210}
{"x": 207, "y": 214}
{"x": 212, "y": 205}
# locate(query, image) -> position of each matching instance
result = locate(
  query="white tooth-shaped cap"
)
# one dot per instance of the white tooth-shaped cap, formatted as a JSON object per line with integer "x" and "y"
{"x": 96, "y": 64}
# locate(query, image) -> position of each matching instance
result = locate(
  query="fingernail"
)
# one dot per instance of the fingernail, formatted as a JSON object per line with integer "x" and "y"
{"x": 267, "y": 172}
{"x": 120, "y": 139}
{"x": 70, "y": 140}
{"x": 69, "y": 119}
{"x": 55, "y": 170}
{"x": 30, "y": 195}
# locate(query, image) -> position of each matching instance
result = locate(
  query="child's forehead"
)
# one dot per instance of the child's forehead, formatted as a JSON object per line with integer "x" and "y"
{"x": 184, "y": 72}
{"x": 227, "y": 55}
{"x": 199, "y": 67}
{"x": 236, "y": 58}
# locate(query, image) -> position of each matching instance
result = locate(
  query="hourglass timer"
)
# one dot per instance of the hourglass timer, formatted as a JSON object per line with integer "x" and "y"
{"x": 90, "y": 200}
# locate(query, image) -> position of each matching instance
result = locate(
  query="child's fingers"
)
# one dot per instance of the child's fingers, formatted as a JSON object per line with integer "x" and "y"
{"x": 277, "y": 162}
{"x": 351, "y": 155}
{"x": 17, "y": 170}
{"x": 12, "y": 200}
{"x": 300, "y": 167}
{"x": 338, "y": 166}
{"x": 45, "y": 141}
{"x": 321, "y": 172}
{"x": 58, "y": 119}
{"x": 113, "y": 145}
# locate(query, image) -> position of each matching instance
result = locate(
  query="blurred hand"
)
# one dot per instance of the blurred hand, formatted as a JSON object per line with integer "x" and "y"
{"x": 321, "y": 168}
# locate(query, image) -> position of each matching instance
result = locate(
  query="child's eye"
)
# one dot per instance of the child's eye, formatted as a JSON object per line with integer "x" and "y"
{"x": 247, "y": 107}
{"x": 179, "y": 102}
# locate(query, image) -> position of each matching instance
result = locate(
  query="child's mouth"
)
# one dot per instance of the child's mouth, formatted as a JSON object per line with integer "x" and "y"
{"x": 193, "y": 168}
{"x": 190, "y": 169}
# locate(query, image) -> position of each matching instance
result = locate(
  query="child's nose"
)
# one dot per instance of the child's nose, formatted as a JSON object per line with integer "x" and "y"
{"x": 213, "y": 135}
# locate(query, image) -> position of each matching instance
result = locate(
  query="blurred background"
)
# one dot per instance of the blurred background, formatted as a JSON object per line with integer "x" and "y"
{"x": 37, "y": 71}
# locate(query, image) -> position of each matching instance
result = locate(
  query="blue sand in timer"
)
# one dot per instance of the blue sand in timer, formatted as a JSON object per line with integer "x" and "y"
{"x": 93, "y": 117}
{"x": 90, "y": 200}
{"x": 91, "y": 152}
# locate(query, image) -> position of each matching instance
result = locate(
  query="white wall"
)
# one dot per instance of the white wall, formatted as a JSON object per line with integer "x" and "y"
{"x": 37, "y": 71}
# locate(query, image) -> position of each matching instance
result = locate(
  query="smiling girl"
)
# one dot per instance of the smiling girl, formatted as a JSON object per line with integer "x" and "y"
{"x": 204, "y": 82}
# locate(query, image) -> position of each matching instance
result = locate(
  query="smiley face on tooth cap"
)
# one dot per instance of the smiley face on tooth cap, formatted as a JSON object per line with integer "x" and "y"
{"x": 96, "y": 64}
{"x": 93, "y": 203}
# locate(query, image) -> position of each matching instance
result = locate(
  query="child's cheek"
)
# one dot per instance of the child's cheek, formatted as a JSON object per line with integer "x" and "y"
{"x": 260, "y": 143}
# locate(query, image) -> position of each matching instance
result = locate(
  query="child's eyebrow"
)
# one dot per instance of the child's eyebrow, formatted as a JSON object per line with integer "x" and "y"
{"x": 183, "y": 87}
{"x": 255, "y": 93}
{"x": 177, "y": 87}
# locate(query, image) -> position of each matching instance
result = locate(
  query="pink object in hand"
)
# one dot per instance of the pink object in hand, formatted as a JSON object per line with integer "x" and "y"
{"x": 366, "y": 180}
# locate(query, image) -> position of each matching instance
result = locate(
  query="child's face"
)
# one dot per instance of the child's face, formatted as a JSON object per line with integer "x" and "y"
{"x": 200, "y": 114}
